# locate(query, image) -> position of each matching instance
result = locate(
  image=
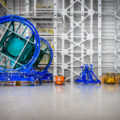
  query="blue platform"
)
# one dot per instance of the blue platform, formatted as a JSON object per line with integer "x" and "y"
{"x": 87, "y": 75}
{"x": 31, "y": 76}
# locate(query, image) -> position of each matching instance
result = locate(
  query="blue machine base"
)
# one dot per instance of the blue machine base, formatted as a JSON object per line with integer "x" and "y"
{"x": 31, "y": 76}
{"x": 86, "y": 82}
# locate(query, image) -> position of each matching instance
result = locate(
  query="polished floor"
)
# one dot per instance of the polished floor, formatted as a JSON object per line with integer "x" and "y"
{"x": 67, "y": 102}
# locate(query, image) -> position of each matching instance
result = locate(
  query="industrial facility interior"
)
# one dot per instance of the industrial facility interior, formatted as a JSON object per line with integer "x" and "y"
{"x": 59, "y": 59}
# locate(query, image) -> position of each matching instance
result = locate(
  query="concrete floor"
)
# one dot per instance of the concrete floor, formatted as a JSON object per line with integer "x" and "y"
{"x": 68, "y": 102}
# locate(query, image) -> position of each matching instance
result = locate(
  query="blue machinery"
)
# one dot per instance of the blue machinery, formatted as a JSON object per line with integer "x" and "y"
{"x": 22, "y": 50}
{"x": 87, "y": 75}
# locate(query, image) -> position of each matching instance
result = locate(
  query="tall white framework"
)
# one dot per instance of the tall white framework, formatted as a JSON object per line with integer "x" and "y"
{"x": 79, "y": 31}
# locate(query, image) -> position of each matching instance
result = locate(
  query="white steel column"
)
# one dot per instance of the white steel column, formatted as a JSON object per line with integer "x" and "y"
{"x": 117, "y": 37}
{"x": 27, "y": 14}
{"x": 82, "y": 32}
{"x": 71, "y": 37}
{"x": 99, "y": 38}
{"x": 35, "y": 7}
{"x": 10, "y": 7}
{"x": 27, "y": 7}
{"x": 55, "y": 37}
{"x": 115, "y": 8}
{"x": 91, "y": 12}
{"x": 63, "y": 17}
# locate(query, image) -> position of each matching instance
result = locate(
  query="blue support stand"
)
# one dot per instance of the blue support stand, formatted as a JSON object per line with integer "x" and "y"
{"x": 87, "y": 75}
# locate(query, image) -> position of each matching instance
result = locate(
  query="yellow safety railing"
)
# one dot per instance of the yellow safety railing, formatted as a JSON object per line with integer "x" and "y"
{"x": 52, "y": 46}
{"x": 46, "y": 57}
{"x": 3, "y": 2}
{"x": 46, "y": 30}
{"x": 44, "y": 60}
{"x": 44, "y": 6}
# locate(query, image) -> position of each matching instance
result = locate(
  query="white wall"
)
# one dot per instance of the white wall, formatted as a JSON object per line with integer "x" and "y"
{"x": 63, "y": 25}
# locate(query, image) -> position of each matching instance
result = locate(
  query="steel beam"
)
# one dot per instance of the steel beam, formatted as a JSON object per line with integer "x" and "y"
{"x": 55, "y": 38}
{"x": 91, "y": 12}
{"x": 99, "y": 38}
{"x": 71, "y": 36}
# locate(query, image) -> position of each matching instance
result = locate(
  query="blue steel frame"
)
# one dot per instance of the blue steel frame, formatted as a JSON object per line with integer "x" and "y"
{"x": 87, "y": 75}
{"x": 11, "y": 18}
{"x": 27, "y": 72}
{"x": 51, "y": 52}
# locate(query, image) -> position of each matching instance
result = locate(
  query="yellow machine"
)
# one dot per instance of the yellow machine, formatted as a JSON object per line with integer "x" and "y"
{"x": 110, "y": 81}
{"x": 110, "y": 78}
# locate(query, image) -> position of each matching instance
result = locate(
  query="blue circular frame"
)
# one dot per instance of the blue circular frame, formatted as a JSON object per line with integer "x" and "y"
{"x": 28, "y": 66}
{"x": 50, "y": 62}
